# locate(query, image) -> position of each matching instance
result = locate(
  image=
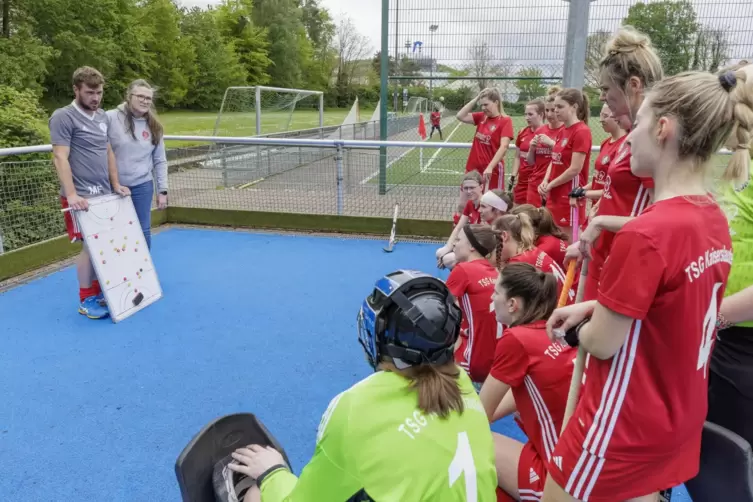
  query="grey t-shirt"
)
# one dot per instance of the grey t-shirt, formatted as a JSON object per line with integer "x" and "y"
{"x": 86, "y": 136}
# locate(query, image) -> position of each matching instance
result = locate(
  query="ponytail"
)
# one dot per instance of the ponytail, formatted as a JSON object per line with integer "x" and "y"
{"x": 527, "y": 233}
{"x": 520, "y": 229}
{"x": 578, "y": 99}
{"x": 437, "y": 386}
{"x": 536, "y": 288}
{"x": 542, "y": 220}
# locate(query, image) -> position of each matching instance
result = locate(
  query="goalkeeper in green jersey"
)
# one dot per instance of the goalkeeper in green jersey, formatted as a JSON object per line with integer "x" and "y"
{"x": 414, "y": 430}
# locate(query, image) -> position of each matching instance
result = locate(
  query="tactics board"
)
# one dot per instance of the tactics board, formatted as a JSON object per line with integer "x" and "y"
{"x": 121, "y": 258}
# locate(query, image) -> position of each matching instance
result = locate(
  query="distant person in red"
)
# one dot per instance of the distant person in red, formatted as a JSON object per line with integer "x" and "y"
{"x": 436, "y": 122}
{"x": 571, "y": 157}
{"x": 472, "y": 283}
{"x": 517, "y": 246}
{"x": 521, "y": 169}
{"x": 493, "y": 135}
{"x": 533, "y": 372}
{"x": 637, "y": 427}
{"x": 540, "y": 148}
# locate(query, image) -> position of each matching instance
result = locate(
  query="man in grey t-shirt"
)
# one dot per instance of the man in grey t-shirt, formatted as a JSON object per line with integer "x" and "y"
{"x": 86, "y": 167}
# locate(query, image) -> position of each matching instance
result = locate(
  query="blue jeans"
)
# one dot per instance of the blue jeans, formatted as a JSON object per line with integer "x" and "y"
{"x": 142, "y": 196}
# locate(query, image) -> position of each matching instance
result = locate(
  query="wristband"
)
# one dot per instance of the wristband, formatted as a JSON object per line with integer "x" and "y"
{"x": 269, "y": 471}
{"x": 578, "y": 193}
{"x": 572, "y": 335}
{"x": 722, "y": 322}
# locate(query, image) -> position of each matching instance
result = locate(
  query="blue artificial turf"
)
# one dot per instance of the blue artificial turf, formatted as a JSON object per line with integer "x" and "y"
{"x": 249, "y": 322}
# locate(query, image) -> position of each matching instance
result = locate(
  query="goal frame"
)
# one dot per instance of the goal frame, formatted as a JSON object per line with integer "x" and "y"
{"x": 257, "y": 102}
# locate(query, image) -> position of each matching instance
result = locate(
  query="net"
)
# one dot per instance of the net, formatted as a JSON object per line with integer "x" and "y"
{"x": 260, "y": 110}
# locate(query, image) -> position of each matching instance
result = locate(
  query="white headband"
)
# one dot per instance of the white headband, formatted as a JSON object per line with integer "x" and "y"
{"x": 492, "y": 199}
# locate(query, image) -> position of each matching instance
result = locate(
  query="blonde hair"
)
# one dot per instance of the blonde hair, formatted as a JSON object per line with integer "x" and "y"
{"x": 629, "y": 53}
{"x": 437, "y": 386}
{"x": 520, "y": 228}
{"x": 542, "y": 221}
{"x": 494, "y": 96}
{"x": 574, "y": 97}
{"x": 711, "y": 111}
{"x": 552, "y": 92}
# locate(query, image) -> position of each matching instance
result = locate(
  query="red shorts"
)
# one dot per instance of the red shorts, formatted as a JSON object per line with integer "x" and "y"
{"x": 533, "y": 196}
{"x": 596, "y": 479}
{"x": 563, "y": 213}
{"x": 74, "y": 233}
{"x": 520, "y": 192}
{"x": 497, "y": 180}
{"x": 531, "y": 474}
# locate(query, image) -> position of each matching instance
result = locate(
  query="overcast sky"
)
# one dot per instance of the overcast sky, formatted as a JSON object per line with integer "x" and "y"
{"x": 521, "y": 31}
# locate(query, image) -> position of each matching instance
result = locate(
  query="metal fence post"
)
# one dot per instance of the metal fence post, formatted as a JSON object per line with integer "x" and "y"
{"x": 2, "y": 250}
{"x": 383, "y": 96}
{"x": 577, "y": 39}
{"x": 223, "y": 163}
{"x": 339, "y": 164}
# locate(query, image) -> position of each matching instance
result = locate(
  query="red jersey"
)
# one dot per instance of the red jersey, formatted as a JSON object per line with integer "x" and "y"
{"x": 576, "y": 138}
{"x": 543, "y": 154}
{"x": 545, "y": 263}
{"x": 625, "y": 194}
{"x": 472, "y": 283}
{"x": 523, "y": 144}
{"x": 607, "y": 152}
{"x": 554, "y": 247}
{"x": 538, "y": 372}
{"x": 436, "y": 117}
{"x": 471, "y": 211}
{"x": 486, "y": 142}
{"x": 667, "y": 270}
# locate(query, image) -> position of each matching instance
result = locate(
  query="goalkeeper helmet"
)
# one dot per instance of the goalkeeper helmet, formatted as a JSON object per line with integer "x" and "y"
{"x": 410, "y": 317}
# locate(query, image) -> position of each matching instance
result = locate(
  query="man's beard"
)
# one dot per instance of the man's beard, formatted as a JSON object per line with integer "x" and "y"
{"x": 84, "y": 106}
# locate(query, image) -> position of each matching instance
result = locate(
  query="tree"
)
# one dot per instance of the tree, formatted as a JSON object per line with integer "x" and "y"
{"x": 217, "y": 66}
{"x": 282, "y": 20}
{"x": 482, "y": 65}
{"x": 320, "y": 31}
{"x": 234, "y": 21}
{"x": 594, "y": 54}
{"x": 673, "y": 29}
{"x": 352, "y": 48}
{"x": 530, "y": 89}
{"x": 711, "y": 49}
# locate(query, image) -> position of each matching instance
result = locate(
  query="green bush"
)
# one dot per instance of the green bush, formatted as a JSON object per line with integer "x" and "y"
{"x": 29, "y": 209}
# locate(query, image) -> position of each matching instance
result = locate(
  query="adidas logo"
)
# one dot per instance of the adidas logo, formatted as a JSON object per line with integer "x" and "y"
{"x": 533, "y": 477}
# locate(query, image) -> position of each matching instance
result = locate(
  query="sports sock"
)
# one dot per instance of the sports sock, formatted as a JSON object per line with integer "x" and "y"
{"x": 97, "y": 288}
{"x": 85, "y": 293}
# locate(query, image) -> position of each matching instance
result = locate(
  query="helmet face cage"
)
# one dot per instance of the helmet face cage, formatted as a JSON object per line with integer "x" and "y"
{"x": 390, "y": 291}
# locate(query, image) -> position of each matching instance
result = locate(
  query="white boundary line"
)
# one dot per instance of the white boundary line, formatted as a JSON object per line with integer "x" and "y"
{"x": 431, "y": 160}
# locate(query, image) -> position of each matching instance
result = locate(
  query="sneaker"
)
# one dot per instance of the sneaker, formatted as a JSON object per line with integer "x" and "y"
{"x": 101, "y": 299}
{"x": 91, "y": 308}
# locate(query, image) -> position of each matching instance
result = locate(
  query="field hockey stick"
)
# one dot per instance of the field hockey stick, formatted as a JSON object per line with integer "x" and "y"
{"x": 570, "y": 277}
{"x": 391, "y": 243}
{"x": 580, "y": 360}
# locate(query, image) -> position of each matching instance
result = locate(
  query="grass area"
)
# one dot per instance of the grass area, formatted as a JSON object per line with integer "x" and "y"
{"x": 446, "y": 166}
{"x": 193, "y": 123}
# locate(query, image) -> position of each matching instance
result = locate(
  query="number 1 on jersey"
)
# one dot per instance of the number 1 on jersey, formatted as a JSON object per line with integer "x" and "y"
{"x": 463, "y": 464}
{"x": 708, "y": 330}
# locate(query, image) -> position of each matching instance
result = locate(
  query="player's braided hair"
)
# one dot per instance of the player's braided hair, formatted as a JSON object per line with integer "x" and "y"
{"x": 542, "y": 221}
{"x": 519, "y": 228}
{"x": 711, "y": 111}
{"x": 537, "y": 289}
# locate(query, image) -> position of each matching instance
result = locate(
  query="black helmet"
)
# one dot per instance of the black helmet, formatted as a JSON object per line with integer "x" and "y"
{"x": 410, "y": 317}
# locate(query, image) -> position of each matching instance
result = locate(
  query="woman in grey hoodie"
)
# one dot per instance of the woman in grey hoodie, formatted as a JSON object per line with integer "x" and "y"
{"x": 136, "y": 136}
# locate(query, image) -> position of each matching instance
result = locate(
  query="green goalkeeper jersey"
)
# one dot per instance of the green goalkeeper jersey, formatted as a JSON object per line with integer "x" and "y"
{"x": 373, "y": 437}
{"x": 738, "y": 207}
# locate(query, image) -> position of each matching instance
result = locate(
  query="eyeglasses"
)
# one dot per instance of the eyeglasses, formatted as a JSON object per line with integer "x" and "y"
{"x": 141, "y": 97}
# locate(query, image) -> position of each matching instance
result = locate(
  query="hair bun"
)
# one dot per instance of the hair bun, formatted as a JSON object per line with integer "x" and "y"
{"x": 728, "y": 80}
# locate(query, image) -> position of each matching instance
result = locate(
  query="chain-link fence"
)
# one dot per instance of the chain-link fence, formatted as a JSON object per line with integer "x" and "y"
{"x": 292, "y": 175}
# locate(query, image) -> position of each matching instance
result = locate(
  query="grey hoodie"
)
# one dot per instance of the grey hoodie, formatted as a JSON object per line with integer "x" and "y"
{"x": 136, "y": 159}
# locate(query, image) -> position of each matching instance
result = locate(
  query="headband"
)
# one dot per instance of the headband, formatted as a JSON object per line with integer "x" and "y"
{"x": 474, "y": 242}
{"x": 728, "y": 80}
{"x": 494, "y": 200}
